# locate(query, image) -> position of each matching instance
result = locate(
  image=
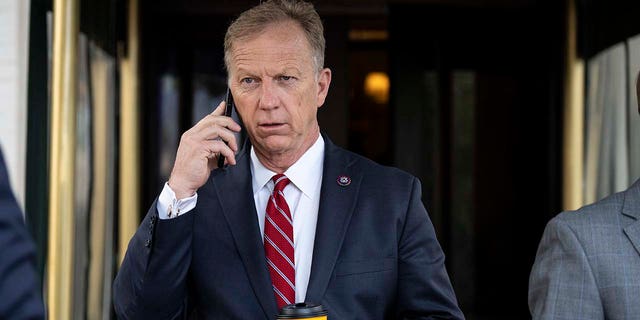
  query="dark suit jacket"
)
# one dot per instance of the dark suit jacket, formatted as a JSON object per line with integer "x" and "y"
{"x": 375, "y": 255}
{"x": 588, "y": 262}
{"x": 19, "y": 286}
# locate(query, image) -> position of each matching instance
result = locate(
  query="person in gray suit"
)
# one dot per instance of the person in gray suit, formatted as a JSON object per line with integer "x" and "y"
{"x": 588, "y": 261}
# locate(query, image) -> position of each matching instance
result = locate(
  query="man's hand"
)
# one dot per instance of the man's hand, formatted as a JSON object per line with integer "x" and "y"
{"x": 199, "y": 150}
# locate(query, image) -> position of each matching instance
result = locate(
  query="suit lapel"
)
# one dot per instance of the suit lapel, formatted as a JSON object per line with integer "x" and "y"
{"x": 233, "y": 185}
{"x": 337, "y": 203}
{"x": 631, "y": 208}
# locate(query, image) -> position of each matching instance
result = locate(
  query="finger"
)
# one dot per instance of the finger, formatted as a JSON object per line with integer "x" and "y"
{"x": 227, "y": 122}
{"x": 231, "y": 159}
{"x": 229, "y": 138}
{"x": 217, "y": 148}
{"x": 211, "y": 127}
{"x": 208, "y": 126}
{"x": 219, "y": 110}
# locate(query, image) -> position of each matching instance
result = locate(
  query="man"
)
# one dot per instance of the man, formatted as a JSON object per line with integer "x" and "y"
{"x": 19, "y": 290}
{"x": 242, "y": 241}
{"x": 588, "y": 261}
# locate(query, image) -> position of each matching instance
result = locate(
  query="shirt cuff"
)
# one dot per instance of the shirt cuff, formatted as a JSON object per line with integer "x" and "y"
{"x": 169, "y": 207}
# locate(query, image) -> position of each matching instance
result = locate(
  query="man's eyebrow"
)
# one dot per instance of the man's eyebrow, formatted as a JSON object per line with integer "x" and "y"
{"x": 244, "y": 72}
{"x": 291, "y": 69}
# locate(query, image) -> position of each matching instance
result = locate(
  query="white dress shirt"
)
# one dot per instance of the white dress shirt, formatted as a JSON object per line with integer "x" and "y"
{"x": 302, "y": 195}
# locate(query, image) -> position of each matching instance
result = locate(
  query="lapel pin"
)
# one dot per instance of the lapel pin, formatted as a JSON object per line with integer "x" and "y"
{"x": 344, "y": 181}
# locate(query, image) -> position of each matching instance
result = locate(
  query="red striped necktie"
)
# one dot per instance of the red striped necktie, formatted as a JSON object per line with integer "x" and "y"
{"x": 278, "y": 244}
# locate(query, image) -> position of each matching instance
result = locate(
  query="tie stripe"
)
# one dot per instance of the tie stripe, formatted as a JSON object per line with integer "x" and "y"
{"x": 281, "y": 296}
{"x": 281, "y": 274}
{"x": 278, "y": 244}
{"x": 284, "y": 214}
{"x": 282, "y": 254}
{"x": 286, "y": 237}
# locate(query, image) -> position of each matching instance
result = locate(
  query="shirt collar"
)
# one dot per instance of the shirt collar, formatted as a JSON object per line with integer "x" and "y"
{"x": 305, "y": 174}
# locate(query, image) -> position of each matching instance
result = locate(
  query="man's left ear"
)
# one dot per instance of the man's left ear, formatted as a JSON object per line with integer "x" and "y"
{"x": 324, "y": 80}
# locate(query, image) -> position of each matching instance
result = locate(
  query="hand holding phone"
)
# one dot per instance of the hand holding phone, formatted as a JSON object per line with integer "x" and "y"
{"x": 229, "y": 105}
{"x": 189, "y": 171}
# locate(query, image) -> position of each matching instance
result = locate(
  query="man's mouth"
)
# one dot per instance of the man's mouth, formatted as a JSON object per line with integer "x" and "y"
{"x": 271, "y": 124}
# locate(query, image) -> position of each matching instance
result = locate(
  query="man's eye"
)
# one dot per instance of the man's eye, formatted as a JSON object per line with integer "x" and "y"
{"x": 286, "y": 78}
{"x": 247, "y": 80}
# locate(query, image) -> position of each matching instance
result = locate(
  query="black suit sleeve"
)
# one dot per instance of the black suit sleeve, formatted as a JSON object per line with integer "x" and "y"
{"x": 19, "y": 286}
{"x": 424, "y": 289}
{"x": 151, "y": 283}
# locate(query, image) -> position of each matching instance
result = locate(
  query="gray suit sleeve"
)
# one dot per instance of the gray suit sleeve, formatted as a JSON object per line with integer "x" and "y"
{"x": 562, "y": 283}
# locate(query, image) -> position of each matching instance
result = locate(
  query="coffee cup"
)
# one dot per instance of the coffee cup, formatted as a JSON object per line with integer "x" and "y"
{"x": 303, "y": 311}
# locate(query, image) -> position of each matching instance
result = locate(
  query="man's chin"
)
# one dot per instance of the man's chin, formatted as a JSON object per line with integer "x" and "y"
{"x": 274, "y": 144}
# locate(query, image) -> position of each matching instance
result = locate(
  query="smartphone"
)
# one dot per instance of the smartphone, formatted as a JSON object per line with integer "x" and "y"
{"x": 228, "y": 111}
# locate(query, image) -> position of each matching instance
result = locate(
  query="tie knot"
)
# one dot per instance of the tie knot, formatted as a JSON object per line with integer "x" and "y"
{"x": 280, "y": 181}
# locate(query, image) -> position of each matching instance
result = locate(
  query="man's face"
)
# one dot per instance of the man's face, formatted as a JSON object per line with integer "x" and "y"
{"x": 278, "y": 90}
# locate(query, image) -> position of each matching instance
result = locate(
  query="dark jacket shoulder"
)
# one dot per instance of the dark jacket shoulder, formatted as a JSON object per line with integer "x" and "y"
{"x": 370, "y": 168}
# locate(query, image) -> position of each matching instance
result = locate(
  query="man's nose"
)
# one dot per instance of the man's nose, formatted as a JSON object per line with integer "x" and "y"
{"x": 268, "y": 95}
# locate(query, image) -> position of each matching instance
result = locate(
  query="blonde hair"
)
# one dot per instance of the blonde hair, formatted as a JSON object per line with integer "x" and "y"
{"x": 256, "y": 19}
